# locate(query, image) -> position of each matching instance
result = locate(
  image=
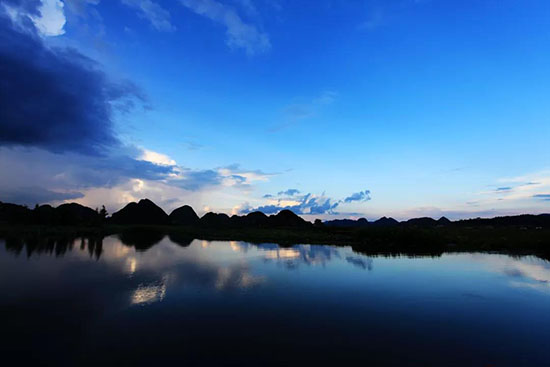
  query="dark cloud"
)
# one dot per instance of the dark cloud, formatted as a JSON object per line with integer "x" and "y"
{"x": 504, "y": 189}
{"x": 358, "y": 196}
{"x": 55, "y": 99}
{"x": 195, "y": 180}
{"x": 73, "y": 171}
{"x": 545, "y": 197}
{"x": 289, "y": 192}
{"x": 58, "y": 105}
{"x": 36, "y": 195}
{"x": 267, "y": 196}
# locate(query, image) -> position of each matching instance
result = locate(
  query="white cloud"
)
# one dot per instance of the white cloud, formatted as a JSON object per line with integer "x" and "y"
{"x": 520, "y": 188}
{"x": 51, "y": 21}
{"x": 153, "y": 12}
{"x": 239, "y": 33}
{"x": 157, "y": 158}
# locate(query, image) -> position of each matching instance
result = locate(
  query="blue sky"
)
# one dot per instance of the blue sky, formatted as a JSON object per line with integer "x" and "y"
{"x": 362, "y": 108}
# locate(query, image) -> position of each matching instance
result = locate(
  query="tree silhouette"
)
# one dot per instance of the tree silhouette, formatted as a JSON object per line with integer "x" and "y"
{"x": 103, "y": 212}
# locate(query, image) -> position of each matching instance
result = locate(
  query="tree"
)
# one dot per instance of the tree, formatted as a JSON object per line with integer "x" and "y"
{"x": 103, "y": 212}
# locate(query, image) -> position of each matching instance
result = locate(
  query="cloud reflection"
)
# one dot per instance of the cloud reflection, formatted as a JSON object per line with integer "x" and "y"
{"x": 146, "y": 294}
{"x": 237, "y": 277}
{"x": 526, "y": 272}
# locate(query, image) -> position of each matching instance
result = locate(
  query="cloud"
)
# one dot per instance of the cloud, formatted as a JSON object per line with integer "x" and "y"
{"x": 358, "y": 196}
{"x": 57, "y": 117}
{"x": 505, "y": 188}
{"x": 239, "y": 33}
{"x": 80, "y": 7}
{"x": 52, "y": 18}
{"x": 196, "y": 180}
{"x": 229, "y": 176}
{"x": 74, "y": 171}
{"x": 47, "y": 16}
{"x": 31, "y": 195}
{"x": 289, "y": 192}
{"x": 517, "y": 192}
{"x": 117, "y": 178}
{"x": 29, "y": 7}
{"x": 56, "y": 99}
{"x": 545, "y": 197}
{"x": 305, "y": 204}
{"x": 157, "y": 158}
{"x": 248, "y": 6}
{"x": 153, "y": 12}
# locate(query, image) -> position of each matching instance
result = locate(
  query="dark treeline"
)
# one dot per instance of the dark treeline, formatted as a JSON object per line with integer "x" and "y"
{"x": 145, "y": 212}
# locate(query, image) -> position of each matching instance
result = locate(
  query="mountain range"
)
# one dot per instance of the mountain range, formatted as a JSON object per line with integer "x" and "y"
{"x": 145, "y": 212}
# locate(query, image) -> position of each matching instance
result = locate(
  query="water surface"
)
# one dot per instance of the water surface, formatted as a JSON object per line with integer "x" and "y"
{"x": 160, "y": 300}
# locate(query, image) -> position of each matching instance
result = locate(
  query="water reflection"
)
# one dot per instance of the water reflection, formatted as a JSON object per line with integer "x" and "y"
{"x": 57, "y": 246}
{"x": 141, "y": 239}
{"x": 197, "y": 301}
{"x": 528, "y": 272}
{"x": 363, "y": 263}
{"x": 149, "y": 293}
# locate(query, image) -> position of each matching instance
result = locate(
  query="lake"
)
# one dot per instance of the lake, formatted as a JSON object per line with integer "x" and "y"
{"x": 160, "y": 300}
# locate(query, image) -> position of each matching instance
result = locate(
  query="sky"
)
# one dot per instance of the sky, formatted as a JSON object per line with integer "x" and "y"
{"x": 330, "y": 108}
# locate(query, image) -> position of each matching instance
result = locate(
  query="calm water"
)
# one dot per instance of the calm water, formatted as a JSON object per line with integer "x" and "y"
{"x": 234, "y": 303}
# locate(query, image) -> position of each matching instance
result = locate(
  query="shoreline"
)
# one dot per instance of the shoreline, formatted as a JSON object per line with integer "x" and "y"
{"x": 434, "y": 241}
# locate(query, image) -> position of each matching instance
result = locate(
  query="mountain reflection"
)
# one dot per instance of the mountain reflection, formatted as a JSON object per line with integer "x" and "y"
{"x": 56, "y": 246}
{"x": 157, "y": 262}
{"x": 141, "y": 239}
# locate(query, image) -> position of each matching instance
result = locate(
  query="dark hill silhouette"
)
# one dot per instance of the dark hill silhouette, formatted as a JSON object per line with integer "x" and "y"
{"x": 421, "y": 222}
{"x": 44, "y": 214}
{"x": 541, "y": 220}
{"x": 362, "y": 222}
{"x": 385, "y": 222}
{"x": 443, "y": 221}
{"x": 146, "y": 212}
{"x": 143, "y": 212}
{"x": 215, "y": 220}
{"x": 255, "y": 219}
{"x": 251, "y": 220}
{"x": 75, "y": 214}
{"x": 14, "y": 214}
{"x": 65, "y": 214}
{"x": 287, "y": 218}
{"x": 184, "y": 215}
